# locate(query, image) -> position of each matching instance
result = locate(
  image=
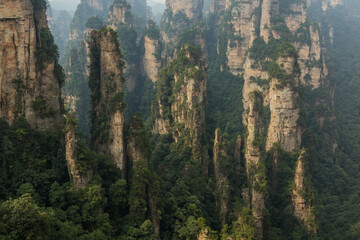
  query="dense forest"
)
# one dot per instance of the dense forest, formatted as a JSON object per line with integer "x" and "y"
{"x": 225, "y": 120}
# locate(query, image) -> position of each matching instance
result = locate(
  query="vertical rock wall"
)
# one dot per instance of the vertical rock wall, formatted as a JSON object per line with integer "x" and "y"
{"x": 29, "y": 86}
{"x": 223, "y": 187}
{"x": 106, "y": 82}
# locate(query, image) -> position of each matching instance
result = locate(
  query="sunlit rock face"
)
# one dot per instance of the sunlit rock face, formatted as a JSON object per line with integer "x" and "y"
{"x": 29, "y": 86}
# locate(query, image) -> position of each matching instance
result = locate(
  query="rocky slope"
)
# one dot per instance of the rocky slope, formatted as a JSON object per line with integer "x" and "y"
{"x": 106, "y": 82}
{"x": 30, "y": 76}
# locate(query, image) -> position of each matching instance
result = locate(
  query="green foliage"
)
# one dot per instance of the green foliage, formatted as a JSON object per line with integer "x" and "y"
{"x": 152, "y": 31}
{"x": 94, "y": 22}
{"x": 46, "y": 53}
{"x": 23, "y": 219}
{"x": 77, "y": 86}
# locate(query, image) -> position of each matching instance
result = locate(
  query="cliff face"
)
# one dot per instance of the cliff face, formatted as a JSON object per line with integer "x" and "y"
{"x": 243, "y": 22}
{"x": 182, "y": 107}
{"x": 191, "y": 8}
{"x": 302, "y": 206}
{"x": 269, "y": 8}
{"x": 120, "y": 13}
{"x": 150, "y": 61}
{"x": 223, "y": 187}
{"x": 272, "y": 45}
{"x": 79, "y": 179}
{"x": 121, "y": 20}
{"x": 29, "y": 85}
{"x": 254, "y": 172}
{"x": 106, "y": 82}
{"x": 285, "y": 112}
{"x": 180, "y": 17}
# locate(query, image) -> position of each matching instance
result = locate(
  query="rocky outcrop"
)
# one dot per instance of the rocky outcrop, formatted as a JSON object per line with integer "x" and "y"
{"x": 182, "y": 98}
{"x": 255, "y": 173}
{"x": 151, "y": 62}
{"x": 220, "y": 158}
{"x": 79, "y": 179}
{"x": 178, "y": 18}
{"x": 120, "y": 13}
{"x": 121, "y": 20}
{"x": 152, "y": 58}
{"x": 30, "y": 76}
{"x": 191, "y": 8}
{"x": 106, "y": 83}
{"x": 269, "y": 9}
{"x": 285, "y": 111}
{"x": 243, "y": 20}
{"x": 300, "y": 198}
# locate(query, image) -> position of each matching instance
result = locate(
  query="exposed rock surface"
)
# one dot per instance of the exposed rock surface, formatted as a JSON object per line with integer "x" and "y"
{"x": 79, "y": 179}
{"x": 252, "y": 155}
{"x": 285, "y": 112}
{"x": 269, "y": 8}
{"x": 243, "y": 20}
{"x": 191, "y": 8}
{"x": 152, "y": 58}
{"x": 302, "y": 206}
{"x": 120, "y": 13}
{"x": 106, "y": 82}
{"x": 121, "y": 19}
{"x": 223, "y": 186}
{"x": 185, "y": 113}
{"x": 26, "y": 89}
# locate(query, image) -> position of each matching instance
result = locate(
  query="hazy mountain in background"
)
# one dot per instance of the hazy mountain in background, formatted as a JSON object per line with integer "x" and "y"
{"x": 157, "y": 7}
{"x": 68, "y": 5}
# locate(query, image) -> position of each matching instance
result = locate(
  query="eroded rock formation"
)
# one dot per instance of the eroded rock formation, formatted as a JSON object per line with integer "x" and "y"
{"x": 223, "y": 188}
{"x": 181, "y": 108}
{"x": 255, "y": 173}
{"x": 79, "y": 177}
{"x": 301, "y": 199}
{"x": 106, "y": 83}
{"x": 152, "y": 58}
{"x": 120, "y": 13}
{"x": 191, "y": 8}
{"x": 30, "y": 76}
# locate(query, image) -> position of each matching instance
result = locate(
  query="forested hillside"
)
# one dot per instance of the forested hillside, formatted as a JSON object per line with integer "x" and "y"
{"x": 228, "y": 120}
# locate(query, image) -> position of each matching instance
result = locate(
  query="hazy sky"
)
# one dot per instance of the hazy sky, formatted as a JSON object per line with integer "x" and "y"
{"x": 72, "y": 4}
